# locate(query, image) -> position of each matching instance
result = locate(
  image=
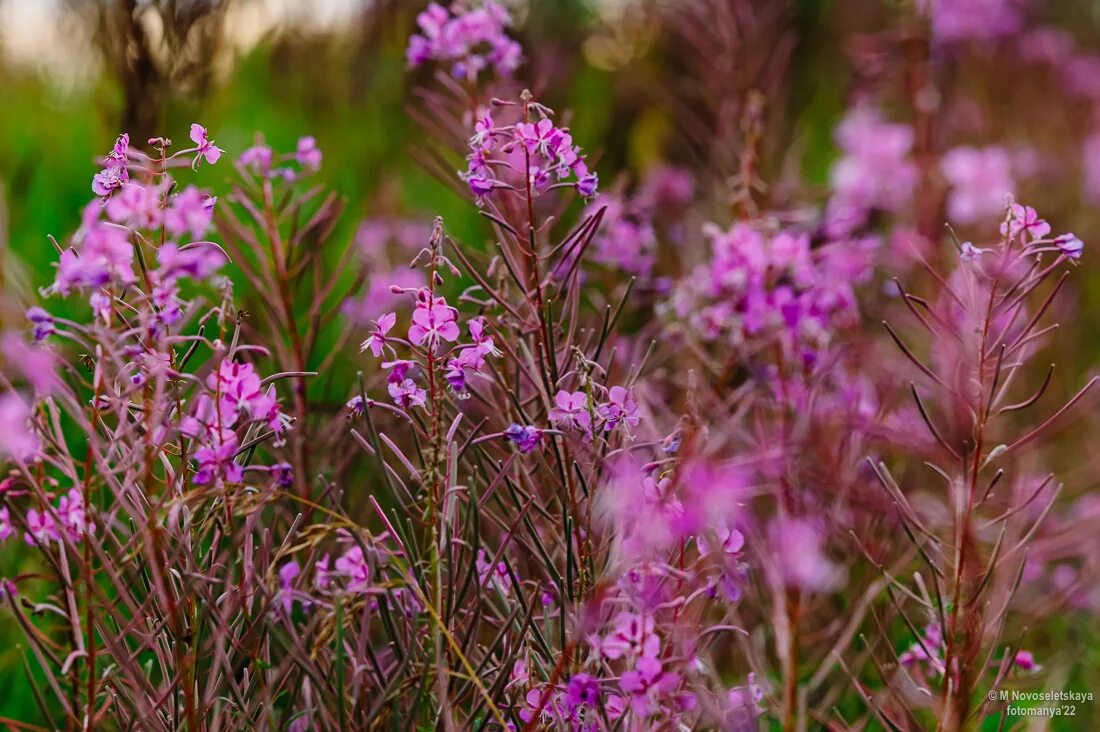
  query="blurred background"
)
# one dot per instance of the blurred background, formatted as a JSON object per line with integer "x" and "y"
{"x": 644, "y": 83}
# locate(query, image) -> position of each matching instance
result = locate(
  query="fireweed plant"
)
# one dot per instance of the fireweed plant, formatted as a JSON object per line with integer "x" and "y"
{"x": 561, "y": 521}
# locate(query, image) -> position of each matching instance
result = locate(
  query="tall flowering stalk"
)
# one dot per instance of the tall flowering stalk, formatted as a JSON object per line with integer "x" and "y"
{"x": 986, "y": 325}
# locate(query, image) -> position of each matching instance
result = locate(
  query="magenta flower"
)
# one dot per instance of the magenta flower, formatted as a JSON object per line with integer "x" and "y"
{"x": 497, "y": 575}
{"x": 206, "y": 148}
{"x": 407, "y": 394}
{"x": 1023, "y": 219}
{"x": 1070, "y": 245}
{"x": 258, "y": 159}
{"x": 620, "y": 408}
{"x": 645, "y": 682}
{"x": 191, "y": 212}
{"x": 287, "y": 574}
{"x": 115, "y": 173}
{"x": 527, "y": 439}
{"x": 536, "y": 136}
{"x": 6, "y": 529}
{"x": 981, "y": 178}
{"x": 376, "y": 341}
{"x": 308, "y": 154}
{"x": 1025, "y": 661}
{"x": 433, "y": 322}
{"x": 583, "y": 690}
{"x": 353, "y": 565}
{"x": 571, "y": 410}
{"x": 41, "y": 529}
{"x": 72, "y": 515}
{"x": 42, "y": 321}
{"x": 633, "y": 636}
{"x": 484, "y": 130}
{"x": 16, "y": 438}
{"x": 217, "y": 463}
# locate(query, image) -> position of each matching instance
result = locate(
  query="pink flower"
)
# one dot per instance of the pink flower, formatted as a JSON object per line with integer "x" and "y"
{"x": 571, "y": 410}
{"x": 1070, "y": 245}
{"x": 115, "y": 173}
{"x": 71, "y": 511}
{"x": 981, "y": 178}
{"x": 287, "y": 574}
{"x": 620, "y": 408}
{"x": 1025, "y": 661}
{"x": 527, "y": 439}
{"x": 16, "y": 438}
{"x": 536, "y": 136}
{"x": 646, "y": 682}
{"x": 258, "y": 158}
{"x": 497, "y": 575}
{"x": 190, "y": 212}
{"x": 377, "y": 339}
{"x": 6, "y": 529}
{"x": 218, "y": 462}
{"x": 41, "y": 529}
{"x": 433, "y": 321}
{"x": 206, "y": 148}
{"x": 1023, "y": 219}
{"x": 308, "y": 154}
{"x": 135, "y": 205}
{"x": 353, "y": 565}
{"x": 633, "y": 636}
{"x": 407, "y": 394}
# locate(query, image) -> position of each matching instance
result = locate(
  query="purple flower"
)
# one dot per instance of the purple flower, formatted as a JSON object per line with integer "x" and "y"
{"x": 634, "y": 636}
{"x": 190, "y": 212}
{"x": 41, "y": 529}
{"x": 6, "y": 529}
{"x": 287, "y": 574}
{"x": 258, "y": 158}
{"x": 874, "y": 171}
{"x": 353, "y": 565}
{"x": 377, "y": 339}
{"x": 645, "y": 682}
{"x": 1070, "y": 245}
{"x": 407, "y": 394}
{"x": 355, "y": 407}
{"x": 498, "y": 575}
{"x": 42, "y": 321}
{"x": 308, "y": 154}
{"x": 583, "y": 690}
{"x": 197, "y": 261}
{"x": 472, "y": 39}
{"x": 571, "y": 410}
{"x": 620, "y": 408}
{"x": 217, "y": 463}
{"x": 433, "y": 321}
{"x": 1025, "y": 661}
{"x": 1023, "y": 219}
{"x": 527, "y": 439}
{"x": 16, "y": 438}
{"x": 115, "y": 173}
{"x": 588, "y": 184}
{"x": 283, "y": 473}
{"x": 135, "y": 205}
{"x": 981, "y": 179}
{"x": 206, "y": 149}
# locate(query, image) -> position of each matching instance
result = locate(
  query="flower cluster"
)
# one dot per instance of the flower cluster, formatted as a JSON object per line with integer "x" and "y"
{"x": 262, "y": 161}
{"x": 578, "y": 411}
{"x": 470, "y": 39}
{"x": 235, "y": 399}
{"x": 531, "y": 156}
{"x": 765, "y": 287}
{"x": 873, "y": 173}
